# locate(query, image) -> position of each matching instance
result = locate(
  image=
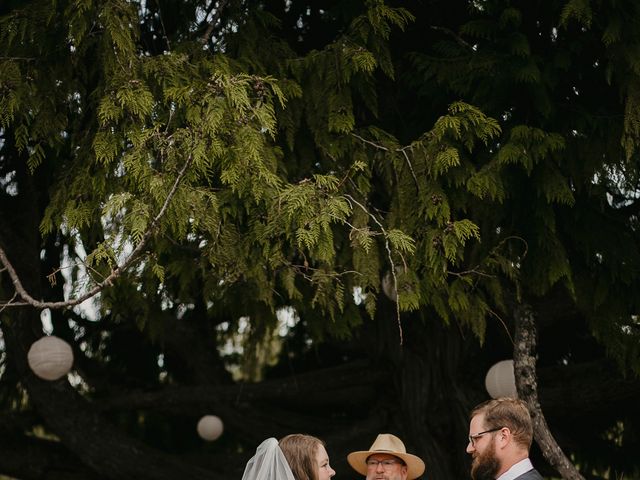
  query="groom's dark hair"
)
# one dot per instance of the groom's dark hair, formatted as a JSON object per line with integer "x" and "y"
{"x": 507, "y": 412}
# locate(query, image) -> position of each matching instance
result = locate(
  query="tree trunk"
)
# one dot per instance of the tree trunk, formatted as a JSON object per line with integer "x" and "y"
{"x": 527, "y": 386}
{"x": 430, "y": 409}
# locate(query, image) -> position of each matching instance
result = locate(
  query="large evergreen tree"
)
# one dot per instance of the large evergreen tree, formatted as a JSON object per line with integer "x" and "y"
{"x": 393, "y": 182}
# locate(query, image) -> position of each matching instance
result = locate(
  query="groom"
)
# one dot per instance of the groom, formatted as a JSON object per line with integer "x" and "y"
{"x": 500, "y": 435}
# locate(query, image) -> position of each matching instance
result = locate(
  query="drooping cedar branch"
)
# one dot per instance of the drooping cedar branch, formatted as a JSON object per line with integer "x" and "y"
{"x": 115, "y": 273}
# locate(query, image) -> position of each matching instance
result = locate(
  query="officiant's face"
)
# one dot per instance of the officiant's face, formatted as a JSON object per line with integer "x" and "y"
{"x": 382, "y": 466}
{"x": 325, "y": 472}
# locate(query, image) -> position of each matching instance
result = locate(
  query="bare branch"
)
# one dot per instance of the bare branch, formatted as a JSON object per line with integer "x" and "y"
{"x": 459, "y": 40}
{"x": 164, "y": 32}
{"x": 24, "y": 59}
{"x": 212, "y": 24}
{"x": 477, "y": 270}
{"x": 402, "y": 150}
{"x": 301, "y": 269}
{"x": 369, "y": 142}
{"x": 10, "y": 302}
{"x": 504, "y": 325}
{"x": 115, "y": 273}
{"x": 391, "y": 262}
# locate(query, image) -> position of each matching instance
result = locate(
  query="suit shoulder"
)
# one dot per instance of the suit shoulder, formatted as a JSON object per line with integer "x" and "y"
{"x": 530, "y": 475}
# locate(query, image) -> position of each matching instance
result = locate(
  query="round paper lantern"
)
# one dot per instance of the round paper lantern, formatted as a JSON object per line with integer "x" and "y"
{"x": 50, "y": 358}
{"x": 210, "y": 427}
{"x": 388, "y": 287}
{"x": 500, "y": 380}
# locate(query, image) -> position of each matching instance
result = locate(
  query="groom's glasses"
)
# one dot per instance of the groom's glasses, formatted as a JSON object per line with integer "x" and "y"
{"x": 473, "y": 438}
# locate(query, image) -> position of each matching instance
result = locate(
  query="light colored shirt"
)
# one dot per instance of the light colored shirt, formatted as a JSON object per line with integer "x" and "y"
{"x": 517, "y": 469}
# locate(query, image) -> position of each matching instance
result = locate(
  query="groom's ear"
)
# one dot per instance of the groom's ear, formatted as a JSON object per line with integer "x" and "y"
{"x": 505, "y": 437}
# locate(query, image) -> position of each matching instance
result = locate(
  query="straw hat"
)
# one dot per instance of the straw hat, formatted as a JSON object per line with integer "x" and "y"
{"x": 387, "y": 443}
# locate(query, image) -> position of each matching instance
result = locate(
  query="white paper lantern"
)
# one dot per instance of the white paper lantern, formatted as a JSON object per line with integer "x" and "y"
{"x": 388, "y": 287}
{"x": 50, "y": 358}
{"x": 210, "y": 427}
{"x": 500, "y": 380}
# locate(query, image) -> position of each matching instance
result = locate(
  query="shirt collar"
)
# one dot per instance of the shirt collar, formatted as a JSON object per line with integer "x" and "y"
{"x": 517, "y": 469}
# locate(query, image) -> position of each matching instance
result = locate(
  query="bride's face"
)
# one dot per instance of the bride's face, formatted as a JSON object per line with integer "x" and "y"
{"x": 325, "y": 472}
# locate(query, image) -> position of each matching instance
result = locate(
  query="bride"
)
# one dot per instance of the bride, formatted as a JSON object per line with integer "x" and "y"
{"x": 294, "y": 457}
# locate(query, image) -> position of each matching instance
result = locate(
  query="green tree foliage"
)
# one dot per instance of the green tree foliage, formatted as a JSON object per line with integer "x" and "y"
{"x": 566, "y": 101}
{"x": 261, "y": 157}
{"x": 222, "y": 113}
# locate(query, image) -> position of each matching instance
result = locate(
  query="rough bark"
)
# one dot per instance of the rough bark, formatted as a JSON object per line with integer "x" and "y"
{"x": 428, "y": 405}
{"x": 527, "y": 386}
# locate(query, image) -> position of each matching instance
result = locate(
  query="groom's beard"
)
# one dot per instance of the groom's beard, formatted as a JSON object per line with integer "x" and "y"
{"x": 485, "y": 466}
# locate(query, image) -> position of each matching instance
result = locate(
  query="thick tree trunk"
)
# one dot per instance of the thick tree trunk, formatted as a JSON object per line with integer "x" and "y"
{"x": 429, "y": 411}
{"x": 527, "y": 386}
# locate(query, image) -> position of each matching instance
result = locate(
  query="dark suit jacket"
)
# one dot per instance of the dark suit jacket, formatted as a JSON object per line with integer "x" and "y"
{"x": 530, "y": 475}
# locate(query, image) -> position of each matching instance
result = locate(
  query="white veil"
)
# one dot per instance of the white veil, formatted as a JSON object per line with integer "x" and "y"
{"x": 269, "y": 463}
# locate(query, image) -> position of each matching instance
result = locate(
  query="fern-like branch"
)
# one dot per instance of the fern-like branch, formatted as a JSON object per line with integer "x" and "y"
{"x": 402, "y": 150}
{"x": 115, "y": 273}
{"x": 389, "y": 256}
